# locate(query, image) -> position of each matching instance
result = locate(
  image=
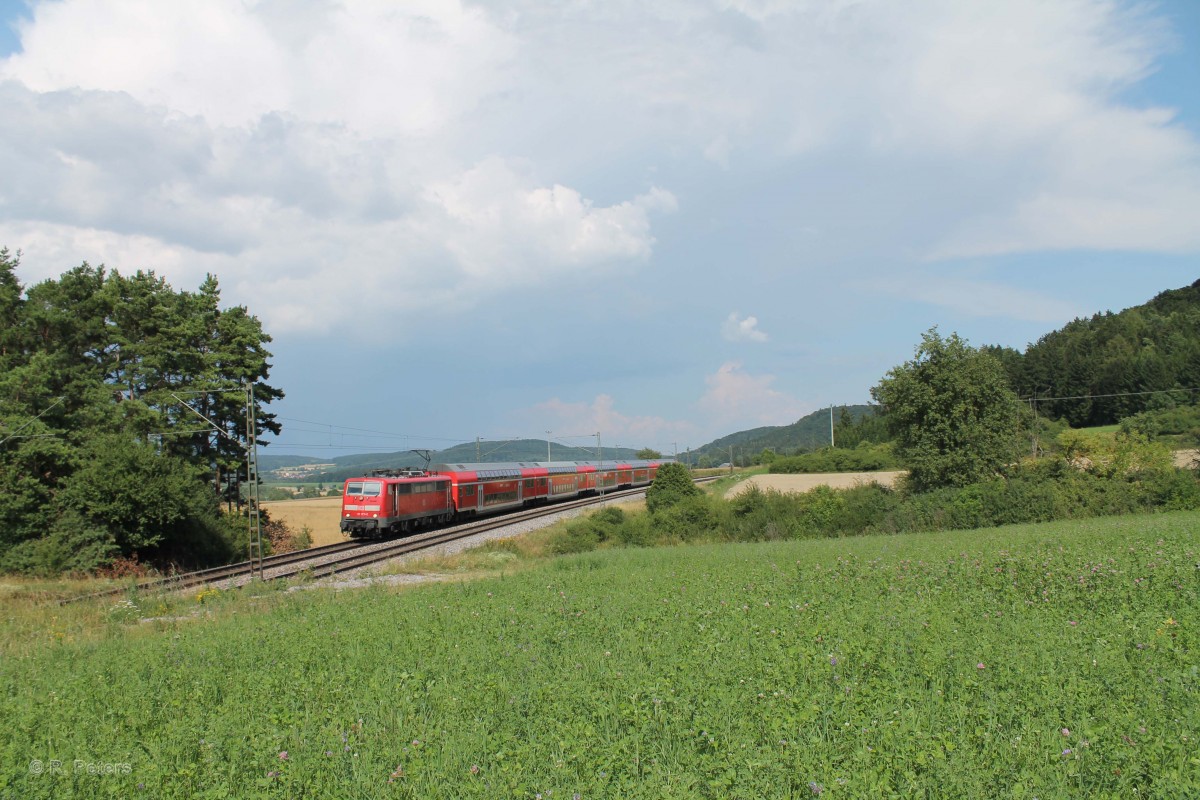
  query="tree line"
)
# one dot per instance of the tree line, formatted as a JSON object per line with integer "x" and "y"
{"x": 122, "y": 419}
{"x": 1099, "y": 370}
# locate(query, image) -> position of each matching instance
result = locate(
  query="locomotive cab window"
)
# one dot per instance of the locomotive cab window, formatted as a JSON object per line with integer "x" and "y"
{"x": 371, "y": 488}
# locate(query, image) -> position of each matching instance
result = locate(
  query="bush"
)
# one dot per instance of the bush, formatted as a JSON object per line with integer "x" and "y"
{"x": 71, "y": 545}
{"x": 673, "y": 484}
{"x": 860, "y": 459}
{"x": 579, "y": 537}
{"x": 687, "y": 519}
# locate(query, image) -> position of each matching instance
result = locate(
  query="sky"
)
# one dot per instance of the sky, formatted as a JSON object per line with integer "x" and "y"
{"x": 660, "y": 222}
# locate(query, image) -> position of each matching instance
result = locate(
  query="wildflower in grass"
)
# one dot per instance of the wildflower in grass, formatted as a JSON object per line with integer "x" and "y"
{"x": 283, "y": 755}
{"x": 833, "y": 661}
{"x": 815, "y": 788}
{"x": 1066, "y": 751}
{"x": 1072, "y": 623}
{"x": 1066, "y": 731}
{"x": 981, "y": 665}
{"x": 474, "y": 769}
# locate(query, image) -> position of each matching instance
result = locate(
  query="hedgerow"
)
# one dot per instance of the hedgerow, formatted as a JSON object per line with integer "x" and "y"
{"x": 1044, "y": 491}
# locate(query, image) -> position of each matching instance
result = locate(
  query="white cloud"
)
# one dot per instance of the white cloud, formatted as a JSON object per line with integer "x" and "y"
{"x": 503, "y": 228}
{"x": 372, "y": 66}
{"x": 742, "y": 330}
{"x": 291, "y": 215}
{"x": 454, "y": 151}
{"x": 738, "y": 399}
{"x": 572, "y": 420}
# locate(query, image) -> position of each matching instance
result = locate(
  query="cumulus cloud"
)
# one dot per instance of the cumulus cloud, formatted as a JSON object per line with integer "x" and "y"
{"x": 502, "y": 227}
{"x": 742, "y": 330}
{"x": 736, "y": 398}
{"x": 370, "y": 66}
{"x": 572, "y": 422}
{"x": 454, "y": 151}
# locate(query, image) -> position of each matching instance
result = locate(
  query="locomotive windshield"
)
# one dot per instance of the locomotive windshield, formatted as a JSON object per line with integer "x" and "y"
{"x": 370, "y": 488}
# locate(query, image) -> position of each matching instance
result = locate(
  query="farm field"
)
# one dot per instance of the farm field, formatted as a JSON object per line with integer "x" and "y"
{"x": 1046, "y": 661}
{"x": 805, "y": 482}
{"x": 322, "y": 515}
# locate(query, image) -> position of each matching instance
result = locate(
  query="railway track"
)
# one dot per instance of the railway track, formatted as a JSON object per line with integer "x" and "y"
{"x": 333, "y": 559}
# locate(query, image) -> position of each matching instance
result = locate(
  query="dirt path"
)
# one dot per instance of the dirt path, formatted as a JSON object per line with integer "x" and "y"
{"x": 802, "y": 483}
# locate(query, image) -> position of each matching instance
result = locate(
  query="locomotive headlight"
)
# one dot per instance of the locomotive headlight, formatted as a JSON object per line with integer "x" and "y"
{"x": 374, "y": 515}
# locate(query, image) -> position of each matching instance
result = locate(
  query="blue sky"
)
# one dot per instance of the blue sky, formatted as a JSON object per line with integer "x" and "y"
{"x": 664, "y": 222}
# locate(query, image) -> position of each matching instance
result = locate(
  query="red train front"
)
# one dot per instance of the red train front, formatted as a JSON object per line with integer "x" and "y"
{"x": 395, "y": 502}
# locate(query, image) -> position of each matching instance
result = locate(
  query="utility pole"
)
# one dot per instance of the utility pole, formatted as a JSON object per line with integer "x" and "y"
{"x": 548, "y": 447}
{"x": 478, "y": 457}
{"x": 730, "y": 459}
{"x": 675, "y": 450}
{"x": 600, "y": 465}
{"x": 1033, "y": 422}
{"x": 831, "y": 444}
{"x": 253, "y": 519}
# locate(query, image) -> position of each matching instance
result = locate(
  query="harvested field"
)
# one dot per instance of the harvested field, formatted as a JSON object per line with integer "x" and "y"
{"x": 803, "y": 483}
{"x": 1186, "y": 458}
{"x": 322, "y": 515}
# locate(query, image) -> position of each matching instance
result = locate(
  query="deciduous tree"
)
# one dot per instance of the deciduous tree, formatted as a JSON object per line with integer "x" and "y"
{"x": 952, "y": 412}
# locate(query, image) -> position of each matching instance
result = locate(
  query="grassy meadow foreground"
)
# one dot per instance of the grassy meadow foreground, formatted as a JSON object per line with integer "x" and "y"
{"x": 1055, "y": 660}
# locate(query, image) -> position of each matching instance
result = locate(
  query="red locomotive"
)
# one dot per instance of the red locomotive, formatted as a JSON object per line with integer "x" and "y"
{"x": 393, "y": 502}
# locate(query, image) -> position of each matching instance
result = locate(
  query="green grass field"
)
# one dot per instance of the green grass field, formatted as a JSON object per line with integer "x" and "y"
{"x": 1047, "y": 661}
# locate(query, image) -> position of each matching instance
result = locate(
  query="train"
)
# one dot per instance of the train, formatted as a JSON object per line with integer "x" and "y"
{"x": 396, "y": 502}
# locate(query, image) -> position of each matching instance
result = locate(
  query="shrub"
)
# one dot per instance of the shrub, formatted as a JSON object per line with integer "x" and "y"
{"x": 673, "y": 484}
{"x": 860, "y": 459}
{"x": 72, "y": 545}
{"x": 578, "y": 537}
{"x": 687, "y": 519}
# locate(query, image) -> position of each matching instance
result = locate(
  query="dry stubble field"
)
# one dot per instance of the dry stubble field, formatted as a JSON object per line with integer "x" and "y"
{"x": 803, "y": 483}
{"x": 320, "y": 514}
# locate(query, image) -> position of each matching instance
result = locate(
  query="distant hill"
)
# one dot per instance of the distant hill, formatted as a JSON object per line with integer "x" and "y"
{"x": 351, "y": 466}
{"x": 807, "y": 433}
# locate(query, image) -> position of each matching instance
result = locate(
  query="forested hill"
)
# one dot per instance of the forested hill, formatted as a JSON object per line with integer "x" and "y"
{"x": 807, "y": 433}
{"x": 1100, "y": 363}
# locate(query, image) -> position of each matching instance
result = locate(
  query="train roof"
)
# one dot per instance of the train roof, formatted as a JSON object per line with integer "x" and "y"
{"x": 532, "y": 469}
{"x": 489, "y": 466}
